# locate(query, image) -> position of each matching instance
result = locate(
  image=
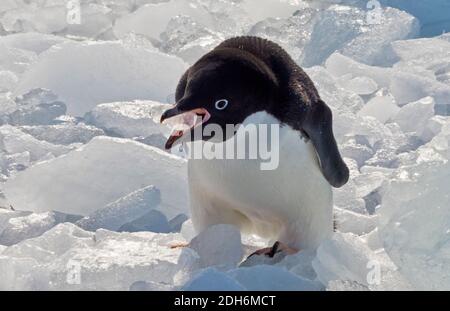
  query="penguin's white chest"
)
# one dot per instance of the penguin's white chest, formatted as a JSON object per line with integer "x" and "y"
{"x": 291, "y": 203}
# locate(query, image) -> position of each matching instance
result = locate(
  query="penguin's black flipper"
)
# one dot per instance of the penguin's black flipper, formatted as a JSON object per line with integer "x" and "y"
{"x": 319, "y": 127}
{"x": 181, "y": 87}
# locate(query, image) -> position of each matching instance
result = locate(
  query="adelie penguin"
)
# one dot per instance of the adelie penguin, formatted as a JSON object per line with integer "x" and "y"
{"x": 249, "y": 80}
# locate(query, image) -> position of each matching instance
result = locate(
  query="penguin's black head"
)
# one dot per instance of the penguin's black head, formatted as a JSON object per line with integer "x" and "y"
{"x": 223, "y": 88}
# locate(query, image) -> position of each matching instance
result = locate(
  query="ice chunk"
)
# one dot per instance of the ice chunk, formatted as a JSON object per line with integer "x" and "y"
{"x": 334, "y": 27}
{"x": 100, "y": 172}
{"x": 155, "y": 140}
{"x": 218, "y": 245}
{"x": 140, "y": 286}
{"x": 334, "y": 95}
{"x": 359, "y": 152}
{"x": 13, "y": 140}
{"x": 359, "y": 85}
{"x": 187, "y": 230}
{"x": 153, "y": 221}
{"x": 30, "y": 226}
{"x": 15, "y": 59}
{"x": 409, "y": 87}
{"x": 31, "y": 41}
{"x": 129, "y": 119}
{"x": 39, "y": 18}
{"x": 346, "y": 196}
{"x": 212, "y": 280}
{"x": 429, "y": 54}
{"x": 340, "y": 65}
{"x": 381, "y": 107}
{"x": 6, "y": 214}
{"x": 94, "y": 68}
{"x": 292, "y": 33}
{"x": 96, "y": 19}
{"x": 15, "y": 162}
{"x": 347, "y": 29}
{"x": 63, "y": 134}
{"x": 160, "y": 15}
{"x": 372, "y": 45}
{"x": 188, "y": 39}
{"x": 177, "y": 222}
{"x": 441, "y": 142}
{"x": 414, "y": 116}
{"x": 370, "y": 179}
{"x": 434, "y": 126}
{"x": 126, "y": 209}
{"x": 265, "y": 277}
{"x": 372, "y": 129}
{"x": 258, "y": 10}
{"x": 68, "y": 258}
{"x": 414, "y": 197}
{"x": 38, "y": 106}
{"x": 59, "y": 17}
{"x": 300, "y": 264}
{"x": 348, "y": 221}
{"x": 7, "y": 105}
{"x": 8, "y": 80}
{"x": 434, "y": 18}
{"x": 343, "y": 257}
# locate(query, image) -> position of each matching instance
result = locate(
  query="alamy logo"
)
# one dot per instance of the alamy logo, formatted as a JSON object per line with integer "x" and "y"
{"x": 374, "y": 275}
{"x": 258, "y": 142}
{"x": 374, "y": 13}
{"x": 73, "y": 16}
{"x": 73, "y": 276}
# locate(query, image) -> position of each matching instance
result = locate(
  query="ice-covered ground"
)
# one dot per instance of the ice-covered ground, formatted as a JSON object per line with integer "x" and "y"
{"x": 89, "y": 200}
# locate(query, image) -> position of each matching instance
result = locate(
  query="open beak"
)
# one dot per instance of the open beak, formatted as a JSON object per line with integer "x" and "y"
{"x": 185, "y": 122}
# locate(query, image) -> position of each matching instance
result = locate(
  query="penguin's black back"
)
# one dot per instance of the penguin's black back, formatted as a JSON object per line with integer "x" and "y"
{"x": 292, "y": 80}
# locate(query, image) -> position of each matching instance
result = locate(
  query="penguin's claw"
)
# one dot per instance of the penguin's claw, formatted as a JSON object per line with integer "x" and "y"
{"x": 276, "y": 248}
{"x": 179, "y": 245}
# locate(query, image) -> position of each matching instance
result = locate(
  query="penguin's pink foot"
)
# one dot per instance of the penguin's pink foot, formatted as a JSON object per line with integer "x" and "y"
{"x": 276, "y": 248}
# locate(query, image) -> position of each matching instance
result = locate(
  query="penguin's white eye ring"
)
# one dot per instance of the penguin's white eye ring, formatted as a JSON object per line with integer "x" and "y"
{"x": 221, "y": 104}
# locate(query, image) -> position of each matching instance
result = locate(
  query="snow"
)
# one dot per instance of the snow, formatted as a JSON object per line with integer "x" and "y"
{"x": 89, "y": 198}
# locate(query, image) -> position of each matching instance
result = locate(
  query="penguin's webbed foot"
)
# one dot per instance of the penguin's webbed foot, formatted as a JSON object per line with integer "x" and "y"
{"x": 276, "y": 248}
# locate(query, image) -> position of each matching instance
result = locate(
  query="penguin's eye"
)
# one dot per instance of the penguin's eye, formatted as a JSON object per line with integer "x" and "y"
{"x": 221, "y": 104}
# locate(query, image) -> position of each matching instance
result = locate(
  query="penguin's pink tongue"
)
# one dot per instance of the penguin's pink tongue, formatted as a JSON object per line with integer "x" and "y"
{"x": 183, "y": 123}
